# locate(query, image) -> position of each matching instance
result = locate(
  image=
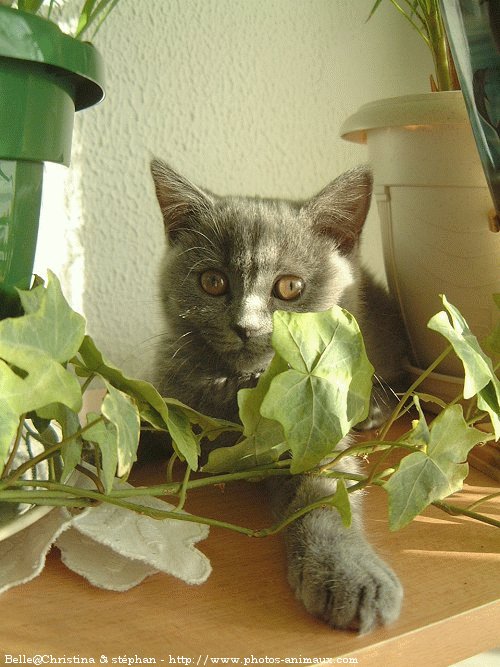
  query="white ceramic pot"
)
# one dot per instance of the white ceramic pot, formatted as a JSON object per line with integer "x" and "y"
{"x": 433, "y": 203}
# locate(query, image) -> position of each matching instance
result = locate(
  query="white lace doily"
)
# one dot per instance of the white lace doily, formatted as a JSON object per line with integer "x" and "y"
{"x": 113, "y": 548}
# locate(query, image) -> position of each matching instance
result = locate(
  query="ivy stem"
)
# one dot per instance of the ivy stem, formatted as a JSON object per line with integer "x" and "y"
{"x": 170, "y": 467}
{"x": 475, "y": 504}
{"x": 49, "y": 451}
{"x": 183, "y": 489}
{"x": 86, "y": 498}
{"x": 411, "y": 389}
{"x": 372, "y": 445}
{"x": 15, "y": 447}
{"x": 92, "y": 476}
{"x": 85, "y": 385}
{"x": 454, "y": 510}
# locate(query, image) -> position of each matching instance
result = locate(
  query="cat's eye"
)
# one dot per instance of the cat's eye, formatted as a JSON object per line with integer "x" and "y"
{"x": 288, "y": 288}
{"x": 214, "y": 283}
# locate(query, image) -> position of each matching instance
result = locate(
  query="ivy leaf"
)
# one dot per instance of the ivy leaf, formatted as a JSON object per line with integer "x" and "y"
{"x": 250, "y": 400}
{"x": 327, "y": 389}
{"x": 435, "y": 472}
{"x": 144, "y": 393}
{"x": 32, "y": 351}
{"x": 264, "y": 442}
{"x": 105, "y": 436}
{"x": 480, "y": 378}
{"x": 212, "y": 427}
{"x": 122, "y": 412}
{"x": 341, "y": 502}
{"x": 70, "y": 424}
{"x": 245, "y": 455}
{"x": 50, "y": 325}
{"x": 184, "y": 440}
{"x": 162, "y": 413}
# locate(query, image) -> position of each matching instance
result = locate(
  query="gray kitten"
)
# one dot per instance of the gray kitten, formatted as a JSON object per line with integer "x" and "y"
{"x": 231, "y": 262}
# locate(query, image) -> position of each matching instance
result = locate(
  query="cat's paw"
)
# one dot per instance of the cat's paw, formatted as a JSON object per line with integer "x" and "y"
{"x": 348, "y": 588}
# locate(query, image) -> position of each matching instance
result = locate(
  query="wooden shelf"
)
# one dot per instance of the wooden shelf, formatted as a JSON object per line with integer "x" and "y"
{"x": 449, "y": 566}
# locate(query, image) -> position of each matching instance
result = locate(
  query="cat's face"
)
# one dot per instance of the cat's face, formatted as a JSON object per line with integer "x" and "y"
{"x": 232, "y": 262}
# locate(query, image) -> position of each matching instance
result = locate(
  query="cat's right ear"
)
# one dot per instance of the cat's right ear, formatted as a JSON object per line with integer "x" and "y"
{"x": 179, "y": 199}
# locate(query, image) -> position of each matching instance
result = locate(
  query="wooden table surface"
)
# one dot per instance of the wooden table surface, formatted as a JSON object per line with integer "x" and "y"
{"x": 449, "y": 566}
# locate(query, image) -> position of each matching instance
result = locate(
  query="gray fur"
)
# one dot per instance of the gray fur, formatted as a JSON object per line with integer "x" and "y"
{"x": 333, "y": 570}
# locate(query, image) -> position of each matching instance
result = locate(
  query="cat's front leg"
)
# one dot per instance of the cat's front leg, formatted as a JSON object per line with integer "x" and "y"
{"x": 333, "y": 570}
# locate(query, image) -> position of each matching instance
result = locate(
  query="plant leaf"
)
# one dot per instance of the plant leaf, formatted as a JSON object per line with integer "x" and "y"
{"x": 32, "y": 350}
{"x": 250, "y": 400}
{"x": 30, "y": 6}
{"x": 327, "y": 389}
{"x": 264, "y": 442}
{"x": 70, "y": 424}
{"x": 184, "y": 440}
{"x": 480, "y": 378}
{"x": 122, "y": 412}
{"x": 105, "y": 435}
{"x": 341, "y": 502}
{"x": 163, "y": 414}
{"x": 212, "y": 427}
{"x": 250, "y": 453}
{"x": 425, "y": 476}
{"x": 143, "y": 392}
{"x": 51, "y": 325}
{"x": 94, "y": 12}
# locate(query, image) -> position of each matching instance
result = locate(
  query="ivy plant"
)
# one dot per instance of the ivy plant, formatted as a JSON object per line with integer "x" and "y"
{"x": 315, "y": 390}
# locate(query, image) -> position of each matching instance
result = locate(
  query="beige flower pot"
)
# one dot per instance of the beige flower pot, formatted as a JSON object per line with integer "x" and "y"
{"x": 433, "y": 203}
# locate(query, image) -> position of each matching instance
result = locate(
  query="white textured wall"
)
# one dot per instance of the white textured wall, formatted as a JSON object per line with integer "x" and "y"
{"x": 243, "y": 96}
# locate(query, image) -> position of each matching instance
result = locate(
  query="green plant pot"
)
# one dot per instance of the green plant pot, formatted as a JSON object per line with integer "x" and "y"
{"x": 45, "y": 76}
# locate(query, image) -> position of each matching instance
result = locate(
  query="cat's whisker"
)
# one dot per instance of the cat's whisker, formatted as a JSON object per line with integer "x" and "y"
{"x": 191, "y": 249}
{"x": 180, "y": 347}
{"x": 388, "y": 391}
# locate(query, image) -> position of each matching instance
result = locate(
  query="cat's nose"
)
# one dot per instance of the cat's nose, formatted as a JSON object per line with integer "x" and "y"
{"x": 245, "y": 332}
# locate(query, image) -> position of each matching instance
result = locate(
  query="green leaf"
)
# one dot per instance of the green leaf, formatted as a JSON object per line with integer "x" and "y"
{"x": 480, "y": 378}
{"x": 122, "y": 412}
{"x": 51, "y": 325}
{"x": 184, "y": 440}
{"x": 420, "y": 435}
{"x": 245, "y": 455}
{"x": 264, "y": 442}
{"x": 105, "y": 436}
{"x": 143, "y": 392}
{"x": 341, "y": 502}
{"x": 30, "y": 6}
{"x": 250, "y": 400}
{"x": 94, "y": 12}
{"x": 70, "y": 424}
{"x": 212, "y": 427}
{"x": 327, "y": 389}
{"x": 32, "y": 350}
{"x": 163, "y": 414}
{"x": 425, "y": 476}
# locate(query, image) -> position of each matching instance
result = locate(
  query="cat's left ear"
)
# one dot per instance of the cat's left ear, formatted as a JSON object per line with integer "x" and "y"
{"x": 340, "y": 209}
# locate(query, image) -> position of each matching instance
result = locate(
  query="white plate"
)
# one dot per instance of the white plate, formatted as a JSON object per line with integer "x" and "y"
{"x": 22, "y": 520}
{"x": 14, "y": 518}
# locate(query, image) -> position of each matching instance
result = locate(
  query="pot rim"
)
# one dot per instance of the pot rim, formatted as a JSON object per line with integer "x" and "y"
{"x": 34, "y": 39}
{"x": 437, "y": 108}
